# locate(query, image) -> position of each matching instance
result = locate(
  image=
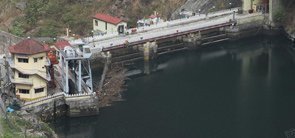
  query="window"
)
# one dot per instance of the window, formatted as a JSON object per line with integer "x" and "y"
{"x": 23, "y": 60}
{"x": 96, "y": 22}
{"x": 40, "y": 58}
{"x": 20, "y": 75}
{"x": 24, "y": 91}
{"x": 106, "y": 26}
{"x": 35, "y": 60}
{"x": 39, "y": 90}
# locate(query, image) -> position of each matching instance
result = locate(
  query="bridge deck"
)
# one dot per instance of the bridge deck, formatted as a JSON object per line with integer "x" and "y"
{"x": 162, "y": 31}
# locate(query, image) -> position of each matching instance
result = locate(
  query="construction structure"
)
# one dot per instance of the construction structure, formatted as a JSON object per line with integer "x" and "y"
{"x": 75, "y": 70}
{"x": 29, "y": 64}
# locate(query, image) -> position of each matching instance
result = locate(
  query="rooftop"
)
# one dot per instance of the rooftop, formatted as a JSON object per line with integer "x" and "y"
{"x": 62, "y": 44}
{"x": 28, "y": 47}
{"x": 107, "y": 18}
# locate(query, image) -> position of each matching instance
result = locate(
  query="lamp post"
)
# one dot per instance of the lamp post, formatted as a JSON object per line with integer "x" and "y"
{"x": 230, "y": 6}
{"x": 199, "y": 12}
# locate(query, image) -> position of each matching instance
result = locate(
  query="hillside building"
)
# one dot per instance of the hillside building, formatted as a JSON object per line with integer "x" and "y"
{"x": 256, "y": 6}
{"x": 29, "y": 69}
{"x": 105, "y": 23}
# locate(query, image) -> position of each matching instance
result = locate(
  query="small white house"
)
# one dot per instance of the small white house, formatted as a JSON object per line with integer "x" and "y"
{"x": 153, "y": 19}
{"x": 105, "y": 23}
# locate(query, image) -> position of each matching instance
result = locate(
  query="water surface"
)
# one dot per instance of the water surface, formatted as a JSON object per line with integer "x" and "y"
{"x": 242, "y": 89}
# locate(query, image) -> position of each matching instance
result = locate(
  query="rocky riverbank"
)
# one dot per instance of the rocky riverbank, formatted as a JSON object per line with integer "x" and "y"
{"x": 113, "y": 86}
{"x": 22, "y": 124}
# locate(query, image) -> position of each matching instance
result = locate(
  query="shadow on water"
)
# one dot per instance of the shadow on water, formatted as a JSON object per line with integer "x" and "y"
{"x": 233, "y": 89}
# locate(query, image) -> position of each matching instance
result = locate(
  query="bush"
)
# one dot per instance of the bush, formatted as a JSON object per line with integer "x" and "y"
{"x": 279, "y": 15}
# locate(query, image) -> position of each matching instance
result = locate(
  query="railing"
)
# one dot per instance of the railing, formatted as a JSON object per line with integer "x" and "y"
{"x": 54, "y": 96}
{"x": 79, "y": 95}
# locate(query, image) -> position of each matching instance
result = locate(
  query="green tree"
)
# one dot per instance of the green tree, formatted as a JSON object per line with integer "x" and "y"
{"x": 18, "y": 27}
{"x": 279, "y": 15}
{"x": 34, "y": 10}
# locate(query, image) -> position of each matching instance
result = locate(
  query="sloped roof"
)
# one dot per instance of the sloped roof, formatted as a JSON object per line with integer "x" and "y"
{"x": 62, "y": 44}
{"x": 107, "y": 18}
{"x": 28, "y": 47}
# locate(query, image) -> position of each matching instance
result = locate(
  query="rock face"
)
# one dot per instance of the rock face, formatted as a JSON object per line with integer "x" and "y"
{"x": 206, "y": 6}
{"x": 7, "y": 39}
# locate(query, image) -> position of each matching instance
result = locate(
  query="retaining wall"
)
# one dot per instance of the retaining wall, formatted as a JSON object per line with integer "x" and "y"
{"x": 61, "y": 104}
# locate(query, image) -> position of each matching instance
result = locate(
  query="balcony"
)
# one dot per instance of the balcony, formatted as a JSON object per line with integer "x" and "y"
{"x": 21, "y": 81}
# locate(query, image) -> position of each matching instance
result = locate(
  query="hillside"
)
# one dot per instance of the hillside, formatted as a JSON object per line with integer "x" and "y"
{"x": 51, "y": 17}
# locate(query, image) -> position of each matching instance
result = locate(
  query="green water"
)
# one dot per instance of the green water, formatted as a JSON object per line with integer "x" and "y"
{"x": 242, "y": 89}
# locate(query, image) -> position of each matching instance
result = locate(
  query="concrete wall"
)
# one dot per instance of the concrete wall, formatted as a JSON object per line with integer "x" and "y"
{"x": 39, "y": 65}
{"x": 34, "y": 81}
{"x": 61, "y": 104}
{"x": 82, "y": 105}
{"x": 37, "y": 83}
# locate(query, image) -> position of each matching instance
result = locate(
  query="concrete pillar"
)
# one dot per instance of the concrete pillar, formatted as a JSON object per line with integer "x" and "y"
{"x": 79, "y": 77}
{"x": 147, "y": 68}
{"x": 150, "y": 50}
{"x": 67, "y": 77}
{"x": 63, "y": 82}
{"x": 90, "y": 75}
{"x": 146, "y": 51}
{"x": 107, "y": 56}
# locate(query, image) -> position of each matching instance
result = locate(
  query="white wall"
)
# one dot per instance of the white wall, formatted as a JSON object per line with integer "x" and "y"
{"x": 111, "y": 28}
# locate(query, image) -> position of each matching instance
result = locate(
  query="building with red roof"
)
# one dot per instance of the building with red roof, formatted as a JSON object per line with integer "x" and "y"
{"x": 60, "y": 45}
{"x": 105, "y": 23}
{"x": 29, "y": 65}
{"x": 28, "y": 47}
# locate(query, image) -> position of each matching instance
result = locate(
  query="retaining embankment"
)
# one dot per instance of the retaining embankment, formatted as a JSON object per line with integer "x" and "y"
{"x": 61, "y": 104}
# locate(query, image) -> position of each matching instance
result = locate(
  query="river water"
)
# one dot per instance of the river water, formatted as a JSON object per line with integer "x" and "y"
{"x": 241, "y": 89}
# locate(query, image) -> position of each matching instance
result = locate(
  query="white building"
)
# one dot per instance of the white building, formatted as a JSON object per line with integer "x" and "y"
{"x": 105, "y": 23}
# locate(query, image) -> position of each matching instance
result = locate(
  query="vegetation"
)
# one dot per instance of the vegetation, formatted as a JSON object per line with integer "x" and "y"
{"x": 52, "y": 17}
{"x": 17, "y": 127}
{"x": 279, "y": 15}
